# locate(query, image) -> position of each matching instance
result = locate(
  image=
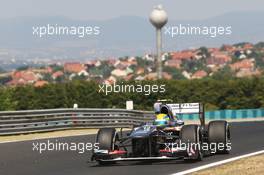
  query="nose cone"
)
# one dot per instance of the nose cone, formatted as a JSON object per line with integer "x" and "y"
{"x": 158, "y": 17}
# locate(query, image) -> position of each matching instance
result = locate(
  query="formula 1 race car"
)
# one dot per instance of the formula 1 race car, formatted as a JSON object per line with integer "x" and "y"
{"x": 167, "y": 139}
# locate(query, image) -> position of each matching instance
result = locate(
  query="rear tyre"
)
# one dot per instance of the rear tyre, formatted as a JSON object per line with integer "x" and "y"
{"x": 191, "y": 136}
{"x": 219, "y": 135}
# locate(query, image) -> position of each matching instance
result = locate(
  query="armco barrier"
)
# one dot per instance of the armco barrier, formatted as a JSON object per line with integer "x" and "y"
{"x": 29, "y": 121}
{"x": 20, "y": 122}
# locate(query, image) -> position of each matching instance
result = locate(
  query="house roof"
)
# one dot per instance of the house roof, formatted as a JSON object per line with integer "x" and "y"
{"x": 16, "y": 82}
{"x": 41, "y": 83}
{"x": 73, "y": 67}
{"x": 140, "y": 70}
{"x": 182, "y": 55}
{"x": 110, "y": 80}
{"x": 173, "y": 63}
{"x": 57, "y": 74}
{"x": 119, "y": 72}
{"x": 248, "y": 73}
{"x": 25, "y": 75}
{"x": 166, "y": 75}
{"x": 199, "y": 74}
{"x": 219, "y": 60}
{"x": 90, "y": 62}
{"x": 153, "y": 76}
{"x": 248, "y": 46}
{"x": 213, "y": 49}
{"x": 111, "y": 61}
{"x": 128, "y": 77}
{"x": 229, "y": 48}
{"x": 243, "y": 64}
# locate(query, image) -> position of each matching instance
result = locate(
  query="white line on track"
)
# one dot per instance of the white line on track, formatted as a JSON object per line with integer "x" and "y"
{"x": 52, "y": 137}
{"x": 218, "y": 163}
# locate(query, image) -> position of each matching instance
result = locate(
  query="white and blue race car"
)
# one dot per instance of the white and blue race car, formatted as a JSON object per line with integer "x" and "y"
{"x": 168, "y": 139}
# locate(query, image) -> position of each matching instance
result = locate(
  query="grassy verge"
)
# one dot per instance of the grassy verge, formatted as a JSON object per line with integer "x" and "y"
{"x": 247, "y": 166}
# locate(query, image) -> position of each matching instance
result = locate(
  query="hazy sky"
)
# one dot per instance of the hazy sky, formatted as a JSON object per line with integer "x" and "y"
{"x": 105, "y": 9}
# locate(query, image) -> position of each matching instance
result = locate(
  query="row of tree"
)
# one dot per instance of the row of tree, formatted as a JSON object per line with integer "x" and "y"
{"x": 215, "y": 94}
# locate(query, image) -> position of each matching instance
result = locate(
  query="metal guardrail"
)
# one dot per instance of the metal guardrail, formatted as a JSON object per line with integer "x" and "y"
{"x": 29, "y": 121}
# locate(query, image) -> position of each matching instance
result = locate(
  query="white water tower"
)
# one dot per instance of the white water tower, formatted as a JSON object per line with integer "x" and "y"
{"x": 158, "y": 18}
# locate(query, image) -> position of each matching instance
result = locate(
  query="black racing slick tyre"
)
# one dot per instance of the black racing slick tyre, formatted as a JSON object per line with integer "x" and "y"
{"x": 106, "y": 138}
{"x": 219, "y": 135}
{"x": 190, "y": 135}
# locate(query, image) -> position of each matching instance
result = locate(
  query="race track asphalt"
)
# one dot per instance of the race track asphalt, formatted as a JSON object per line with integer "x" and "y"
{"x": 17, "y": 158}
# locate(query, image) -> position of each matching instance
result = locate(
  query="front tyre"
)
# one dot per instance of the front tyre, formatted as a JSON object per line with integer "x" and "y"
{"x": 106, "y": 138}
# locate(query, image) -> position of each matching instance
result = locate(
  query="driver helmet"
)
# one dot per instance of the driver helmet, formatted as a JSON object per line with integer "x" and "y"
{"x": 161, "y": 120}
{"x": 157, "y": 107}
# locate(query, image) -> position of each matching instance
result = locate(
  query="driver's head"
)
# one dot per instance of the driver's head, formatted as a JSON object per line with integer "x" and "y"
{"x": 165, "y": 109}
{"x": 157, "y": 107}
{"x": 161, "y": 119}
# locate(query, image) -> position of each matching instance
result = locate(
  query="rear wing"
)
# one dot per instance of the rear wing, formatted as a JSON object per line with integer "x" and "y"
{"x": 188, "y": 108}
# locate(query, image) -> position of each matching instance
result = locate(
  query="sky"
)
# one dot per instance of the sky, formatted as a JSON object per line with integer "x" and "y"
{"x": 107, "y": 9}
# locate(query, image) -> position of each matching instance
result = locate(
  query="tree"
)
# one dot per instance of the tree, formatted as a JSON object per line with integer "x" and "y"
{"x": 176, "y": 73}
{"x": 4, "y": 80}
{"x": 193, "y": 65}
{"x": 2, "y": 70}
{"x": 259, "y": 45}
{"x": 21, "y": 68}
{"x": 56, "y": 68}
{"x": 204, "y": 52}
{"x": 216, "y": 93}
{"x": 223, "y": 74}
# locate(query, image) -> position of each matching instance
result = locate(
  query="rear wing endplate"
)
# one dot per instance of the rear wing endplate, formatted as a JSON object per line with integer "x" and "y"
{"x": 188, "y": 108}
